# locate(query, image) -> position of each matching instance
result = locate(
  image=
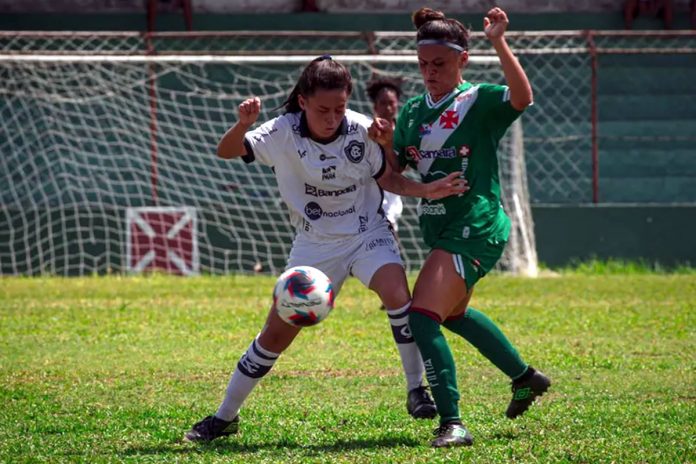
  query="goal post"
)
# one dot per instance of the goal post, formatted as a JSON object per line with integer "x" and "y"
{"x": 88, "y": 139}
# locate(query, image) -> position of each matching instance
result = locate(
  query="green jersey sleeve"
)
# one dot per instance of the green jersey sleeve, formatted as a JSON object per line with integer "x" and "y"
{"x": 499, "y": 111}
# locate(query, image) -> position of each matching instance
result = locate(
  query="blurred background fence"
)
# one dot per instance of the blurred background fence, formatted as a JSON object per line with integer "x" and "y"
{"x": 614, "y": 121}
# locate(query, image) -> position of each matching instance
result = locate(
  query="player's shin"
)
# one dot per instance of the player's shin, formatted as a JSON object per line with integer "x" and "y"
{"x": 439, "y": 363}
{"x": 486, "y": 336}
{"x": 408, "y": 350}
{"x": 252, "y": 366}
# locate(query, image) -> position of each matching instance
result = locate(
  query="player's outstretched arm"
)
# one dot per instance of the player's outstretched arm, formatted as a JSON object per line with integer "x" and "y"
{"x": 231, "y": 144}
{"x": 394, "y": 182}
{"x": 494, "y": 25}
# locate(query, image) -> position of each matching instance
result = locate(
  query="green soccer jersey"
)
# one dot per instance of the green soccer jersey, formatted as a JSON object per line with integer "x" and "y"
{"x": 460, "y": 132}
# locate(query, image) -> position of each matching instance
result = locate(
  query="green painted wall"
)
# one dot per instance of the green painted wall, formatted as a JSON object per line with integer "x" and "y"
{"x": 664, "y": 234}
{"x": 314, "y": 21}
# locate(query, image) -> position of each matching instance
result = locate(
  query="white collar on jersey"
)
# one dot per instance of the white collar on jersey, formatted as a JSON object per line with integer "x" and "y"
{"x": 304, "y": 128}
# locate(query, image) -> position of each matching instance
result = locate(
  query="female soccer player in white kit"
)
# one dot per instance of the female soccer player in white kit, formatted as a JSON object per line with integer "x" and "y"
{"x": 330, "y": 175}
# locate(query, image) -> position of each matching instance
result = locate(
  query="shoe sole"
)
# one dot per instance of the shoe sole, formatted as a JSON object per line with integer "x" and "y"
{"x": 233, "y": 430}
{"x": 417, "y": 414}
{"x": 203, "y": 440}
{"x": 454, "y": 445}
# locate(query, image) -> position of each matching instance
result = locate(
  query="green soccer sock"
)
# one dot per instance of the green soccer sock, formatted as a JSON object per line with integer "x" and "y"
{"x": 487, "y": 337}
{"x": 439, "y": 364}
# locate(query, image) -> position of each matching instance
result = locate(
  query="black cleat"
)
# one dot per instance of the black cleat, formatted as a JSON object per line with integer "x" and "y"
{"x": 420, "y": 404}
{"x": 451, "y": 434}
{"x": 525, "y": 391}
{"x": 211, "y": 428}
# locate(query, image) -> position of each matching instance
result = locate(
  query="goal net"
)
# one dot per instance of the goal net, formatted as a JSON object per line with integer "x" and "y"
{"x": 108, "y": 164}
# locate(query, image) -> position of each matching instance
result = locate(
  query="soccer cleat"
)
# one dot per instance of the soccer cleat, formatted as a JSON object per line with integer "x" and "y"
{"x": 524, "y": 392}
{"x": 420, "y": 404}
{"x": 211, "y": 428}
{"x": 451, "y": 434}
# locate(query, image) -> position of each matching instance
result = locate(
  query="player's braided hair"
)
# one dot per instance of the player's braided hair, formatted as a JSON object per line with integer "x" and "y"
{"x": 434, "y": 25}
{"x": 321, "y": 73}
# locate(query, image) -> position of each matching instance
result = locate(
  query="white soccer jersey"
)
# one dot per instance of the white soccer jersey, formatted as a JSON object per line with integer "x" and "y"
{"x": 330, "y": 189}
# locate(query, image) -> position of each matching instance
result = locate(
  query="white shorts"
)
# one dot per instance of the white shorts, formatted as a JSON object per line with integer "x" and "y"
{"x": 360, "y": 256}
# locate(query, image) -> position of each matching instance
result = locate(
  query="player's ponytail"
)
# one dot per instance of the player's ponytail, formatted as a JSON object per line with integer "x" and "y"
{"x": 435, "y": 28}
{"x": 321, "y": 73}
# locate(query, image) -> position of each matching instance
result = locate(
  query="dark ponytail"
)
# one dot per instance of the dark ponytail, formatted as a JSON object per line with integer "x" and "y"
{"x": 321, "y": 73}
{"x": 434, "y": 25}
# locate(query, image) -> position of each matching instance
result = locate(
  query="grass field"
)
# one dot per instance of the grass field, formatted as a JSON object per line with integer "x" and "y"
{"x": 114, "y": 369}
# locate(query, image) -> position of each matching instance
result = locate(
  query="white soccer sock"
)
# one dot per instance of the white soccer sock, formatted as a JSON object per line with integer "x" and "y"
{"x": 411, "y": 359}
{"x": 251, "y": 368}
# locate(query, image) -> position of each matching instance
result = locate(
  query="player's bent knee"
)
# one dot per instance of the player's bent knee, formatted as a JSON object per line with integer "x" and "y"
{"x": 389, "y": 282}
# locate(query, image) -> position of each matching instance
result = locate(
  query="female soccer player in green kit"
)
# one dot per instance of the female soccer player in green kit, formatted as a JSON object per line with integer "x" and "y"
{"x": 456, "y": 126}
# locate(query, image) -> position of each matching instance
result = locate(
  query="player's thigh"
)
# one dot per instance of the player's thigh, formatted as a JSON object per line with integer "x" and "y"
{"x": 460, "y": 307}
{"x": 377, "y": 264}
{"x": 439, "y": 287}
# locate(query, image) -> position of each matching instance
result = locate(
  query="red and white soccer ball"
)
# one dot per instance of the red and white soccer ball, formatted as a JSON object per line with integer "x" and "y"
{"x": 303, "y": 296}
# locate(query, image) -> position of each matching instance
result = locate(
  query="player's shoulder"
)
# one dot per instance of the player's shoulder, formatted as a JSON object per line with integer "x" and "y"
{"x": 288, "y": 121}
{"x": 488, "y": 89}
{"x": 416, "y": 101}
{"x": 280, "y": 126}
{"x": 357, "y": 120}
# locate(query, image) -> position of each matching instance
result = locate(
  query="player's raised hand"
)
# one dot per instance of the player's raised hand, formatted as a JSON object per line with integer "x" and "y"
{"x": 495, "y": 23}
{"x": 249, "y": 111}
{"x": 381, "y": 131}
{"x": 453, "y": 184}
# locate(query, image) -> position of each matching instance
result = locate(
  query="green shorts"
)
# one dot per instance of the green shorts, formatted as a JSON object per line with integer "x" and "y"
{"x": 473, "y": 259}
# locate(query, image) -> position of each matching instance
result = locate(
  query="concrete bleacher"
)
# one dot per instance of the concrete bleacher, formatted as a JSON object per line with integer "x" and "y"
{"x": 647, "y": 128}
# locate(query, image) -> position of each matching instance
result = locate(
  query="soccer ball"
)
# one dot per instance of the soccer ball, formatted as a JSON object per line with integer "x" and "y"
{"x": 303, "y": 296}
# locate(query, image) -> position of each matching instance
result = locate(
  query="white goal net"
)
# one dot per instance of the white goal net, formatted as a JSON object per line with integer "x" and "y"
{"x": 108, "y": 164}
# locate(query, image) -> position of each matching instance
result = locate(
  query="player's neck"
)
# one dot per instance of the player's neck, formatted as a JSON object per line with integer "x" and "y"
{"x": 440, "y": 96}
{"x": 325, "y": 141}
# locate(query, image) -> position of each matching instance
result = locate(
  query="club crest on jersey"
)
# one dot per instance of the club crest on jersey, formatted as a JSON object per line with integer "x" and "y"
{"x": 449, "y": 119}
{"x": 425, "y": 129}
{"x": 355, "y": 151}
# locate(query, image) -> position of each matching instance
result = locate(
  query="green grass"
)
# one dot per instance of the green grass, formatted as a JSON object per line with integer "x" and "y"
{"x": 115, "y": 369}
{"x": 617, "y": 266}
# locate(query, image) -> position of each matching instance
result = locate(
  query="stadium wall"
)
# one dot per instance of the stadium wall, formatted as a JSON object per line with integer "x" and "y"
{"x": 270, "y": 21}
{"x": 656, "y": 234}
